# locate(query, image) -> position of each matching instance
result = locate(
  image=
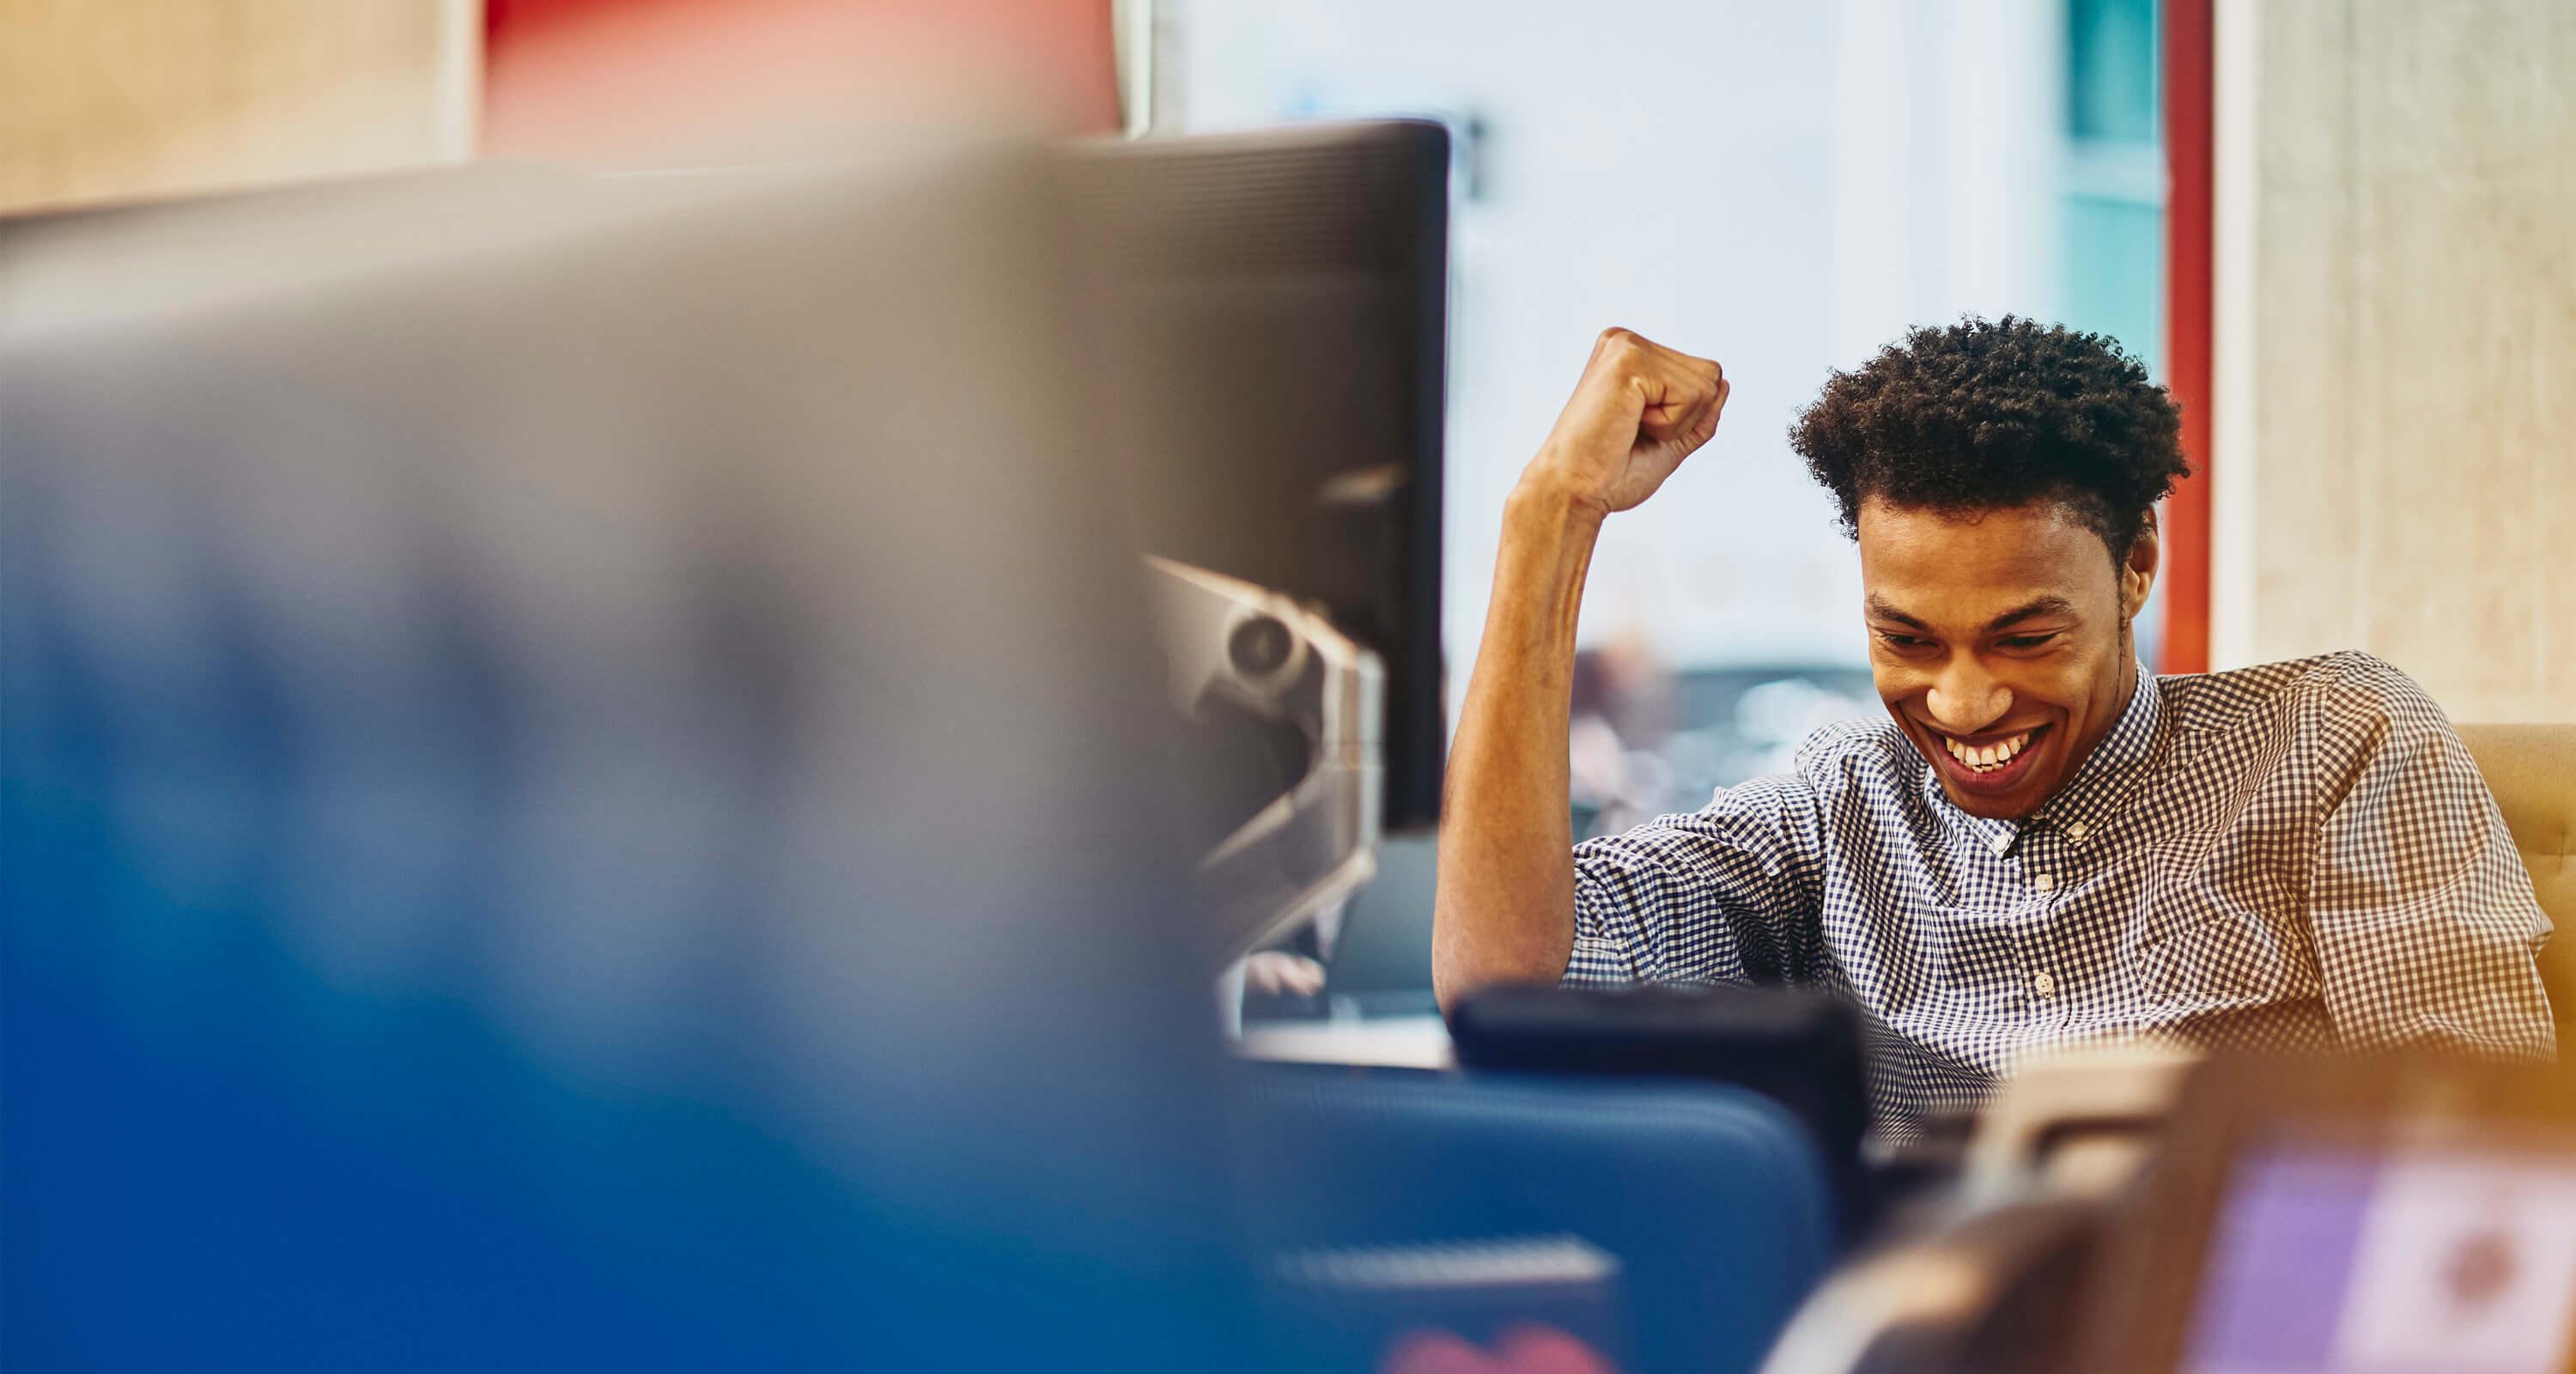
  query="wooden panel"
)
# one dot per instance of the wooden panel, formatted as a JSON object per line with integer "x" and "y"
{"x": 2413, "y": 328}
{"x": 106, "y": 100}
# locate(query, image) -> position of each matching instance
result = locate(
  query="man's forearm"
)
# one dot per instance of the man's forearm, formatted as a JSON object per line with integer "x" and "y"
{"x": 1505, "y": 908}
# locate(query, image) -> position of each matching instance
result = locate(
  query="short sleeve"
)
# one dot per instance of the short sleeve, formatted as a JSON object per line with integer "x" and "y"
{"x": 1724, "y": 894}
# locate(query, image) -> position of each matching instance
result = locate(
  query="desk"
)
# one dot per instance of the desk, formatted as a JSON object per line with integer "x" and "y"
{"x": 1383, "y": 1042}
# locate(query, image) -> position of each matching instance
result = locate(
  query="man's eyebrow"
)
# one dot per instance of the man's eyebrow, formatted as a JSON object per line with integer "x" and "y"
{"x": 1886, "y": 610}
{"x": 2032, "y": 610}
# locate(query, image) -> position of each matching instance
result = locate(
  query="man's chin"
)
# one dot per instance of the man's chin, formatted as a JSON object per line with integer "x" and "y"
{"x": 2017, "y": 805}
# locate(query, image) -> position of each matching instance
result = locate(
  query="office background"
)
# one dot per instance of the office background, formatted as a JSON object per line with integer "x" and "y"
{"x": 1782, "y": 186}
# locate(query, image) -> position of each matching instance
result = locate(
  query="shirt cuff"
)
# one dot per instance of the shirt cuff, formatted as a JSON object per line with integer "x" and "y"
{"x": 1604, "y": 953}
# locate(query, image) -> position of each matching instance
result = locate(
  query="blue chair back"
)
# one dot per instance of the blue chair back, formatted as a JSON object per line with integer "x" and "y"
{"x": 1715, "y": 1201}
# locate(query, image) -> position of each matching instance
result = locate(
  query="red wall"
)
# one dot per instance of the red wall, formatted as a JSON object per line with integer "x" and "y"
{"x": 2188, "y": 90}
{"x": 617, "y": 81}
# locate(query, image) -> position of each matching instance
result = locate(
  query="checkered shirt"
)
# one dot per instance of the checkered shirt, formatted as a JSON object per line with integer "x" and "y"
{"x": 2299, "y": 856}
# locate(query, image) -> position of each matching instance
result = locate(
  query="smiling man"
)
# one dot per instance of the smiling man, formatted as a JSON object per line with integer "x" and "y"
{"x": 2044, "y": 843}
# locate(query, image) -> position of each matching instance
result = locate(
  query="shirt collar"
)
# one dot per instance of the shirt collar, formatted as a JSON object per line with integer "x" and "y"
{"x": 2095, "y": 792}
{"x": 2088, "y": 798}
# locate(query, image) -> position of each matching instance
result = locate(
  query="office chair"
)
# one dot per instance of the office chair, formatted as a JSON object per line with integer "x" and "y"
{"x": 2531, "y": 769}
{"x": 1713, "y": 1200}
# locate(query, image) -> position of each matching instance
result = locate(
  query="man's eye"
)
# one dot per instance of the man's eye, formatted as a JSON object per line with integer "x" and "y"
{"x": 2024, "y": 641}
{"x": 1908, "y": 643}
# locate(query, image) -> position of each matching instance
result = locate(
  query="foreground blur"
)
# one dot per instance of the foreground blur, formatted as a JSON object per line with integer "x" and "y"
{"x": 579, "y": 790}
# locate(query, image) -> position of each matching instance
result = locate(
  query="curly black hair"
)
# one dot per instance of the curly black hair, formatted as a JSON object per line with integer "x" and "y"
{"x": 1989, "y": 413}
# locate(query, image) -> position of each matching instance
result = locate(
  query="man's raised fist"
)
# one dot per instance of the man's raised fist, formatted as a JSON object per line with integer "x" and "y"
{"x": 1640, "y": 409}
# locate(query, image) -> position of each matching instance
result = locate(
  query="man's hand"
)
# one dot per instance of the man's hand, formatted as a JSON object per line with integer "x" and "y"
{"x": 1278, "y": 973}
{"x": 1640, "y": 409}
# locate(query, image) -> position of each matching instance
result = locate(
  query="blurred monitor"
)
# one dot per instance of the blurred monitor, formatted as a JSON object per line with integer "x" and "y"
{"x": 2352, "y": 1216}
{"x": 2456, "y": 1256}
{"x": 577, "y": 792}
{"x": 1282, "y": 300}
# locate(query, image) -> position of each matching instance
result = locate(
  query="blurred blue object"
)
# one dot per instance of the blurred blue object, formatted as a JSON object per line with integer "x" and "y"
{"x": 1714, "y": 1201}
{"x": 589, "y": 794}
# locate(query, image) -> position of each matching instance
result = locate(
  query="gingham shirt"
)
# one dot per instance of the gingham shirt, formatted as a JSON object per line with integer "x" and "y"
{"x": 2296, "y": 856}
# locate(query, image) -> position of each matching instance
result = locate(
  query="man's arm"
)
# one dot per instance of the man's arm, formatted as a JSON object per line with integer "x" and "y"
{"x": 1505, "y": 906}
{"x": 2425, "y": 923}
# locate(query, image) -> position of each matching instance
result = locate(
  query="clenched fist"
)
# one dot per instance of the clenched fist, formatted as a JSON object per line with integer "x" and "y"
{"x": 1640, "y": 409}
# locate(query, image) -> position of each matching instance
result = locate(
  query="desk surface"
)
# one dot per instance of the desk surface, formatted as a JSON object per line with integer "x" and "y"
{"x": 1391, "y": 1042}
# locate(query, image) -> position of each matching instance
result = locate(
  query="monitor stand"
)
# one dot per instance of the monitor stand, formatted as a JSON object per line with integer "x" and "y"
{"x": 1261, "y": 652}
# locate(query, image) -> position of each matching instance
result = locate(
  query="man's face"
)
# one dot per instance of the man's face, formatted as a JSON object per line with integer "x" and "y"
{"x": 1997, "y": 641}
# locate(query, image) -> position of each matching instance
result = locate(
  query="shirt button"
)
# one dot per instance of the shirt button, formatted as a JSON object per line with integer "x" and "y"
{"x": 2002, "y": 843}
{"x": 2041, "y": 985}
{"x": 2042, "y": 881}
{"x": 2075, "y": 831}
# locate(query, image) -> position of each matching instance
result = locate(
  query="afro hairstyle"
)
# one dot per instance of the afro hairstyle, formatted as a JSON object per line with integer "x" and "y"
{"x": 1986, "y": 414}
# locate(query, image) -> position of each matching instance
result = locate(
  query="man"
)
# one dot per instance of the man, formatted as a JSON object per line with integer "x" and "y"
{"x": 2044, "y": 843}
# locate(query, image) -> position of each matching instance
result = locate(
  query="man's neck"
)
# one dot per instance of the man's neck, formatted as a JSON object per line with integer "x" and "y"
{"x": 2110, "y": 723}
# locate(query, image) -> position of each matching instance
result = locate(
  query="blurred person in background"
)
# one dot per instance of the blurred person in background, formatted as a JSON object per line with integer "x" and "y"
{"x": 1622, "y": 708}
{"x": 2044, "y": 842}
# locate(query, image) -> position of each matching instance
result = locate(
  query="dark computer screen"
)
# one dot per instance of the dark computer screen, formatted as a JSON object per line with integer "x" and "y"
{"x": 1280, "y": 305}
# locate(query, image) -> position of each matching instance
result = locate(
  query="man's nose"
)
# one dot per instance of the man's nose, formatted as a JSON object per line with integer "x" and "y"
{"x": 1966, "y": 699}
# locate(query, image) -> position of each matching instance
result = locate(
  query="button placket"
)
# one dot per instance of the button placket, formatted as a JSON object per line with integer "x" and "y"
{"x": 2038, "y": 982}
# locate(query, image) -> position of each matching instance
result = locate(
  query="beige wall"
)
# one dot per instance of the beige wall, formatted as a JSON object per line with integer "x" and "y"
{"x": 104, "y": 100}
{"x": 2395, "y": 456}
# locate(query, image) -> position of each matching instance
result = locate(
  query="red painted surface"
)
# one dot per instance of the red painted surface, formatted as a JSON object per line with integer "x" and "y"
{"x": 2189, "y": 80}
{"x": 628, "y": 81}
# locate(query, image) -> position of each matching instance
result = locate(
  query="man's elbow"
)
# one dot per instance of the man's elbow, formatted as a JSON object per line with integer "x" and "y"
{"x": 1462, "y": 966}
{"x": 1452, "y": 979}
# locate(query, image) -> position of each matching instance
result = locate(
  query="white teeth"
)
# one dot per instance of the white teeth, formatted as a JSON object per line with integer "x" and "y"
{"x": 1987, "y": 756}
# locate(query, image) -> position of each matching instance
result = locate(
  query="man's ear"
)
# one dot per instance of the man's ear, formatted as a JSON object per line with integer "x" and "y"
{"x": 2138, "y": 574}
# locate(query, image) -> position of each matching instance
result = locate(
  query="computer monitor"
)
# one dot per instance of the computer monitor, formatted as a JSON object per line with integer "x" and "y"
{"x": 582, "y": 792}
{"x": 1279, "y": 301}
{"x": 2351, "y": 1216}
{"x": 2457, "y": 1255}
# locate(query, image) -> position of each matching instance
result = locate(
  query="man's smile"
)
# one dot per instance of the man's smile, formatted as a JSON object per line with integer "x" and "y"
{"x": 1989, "y": 764}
